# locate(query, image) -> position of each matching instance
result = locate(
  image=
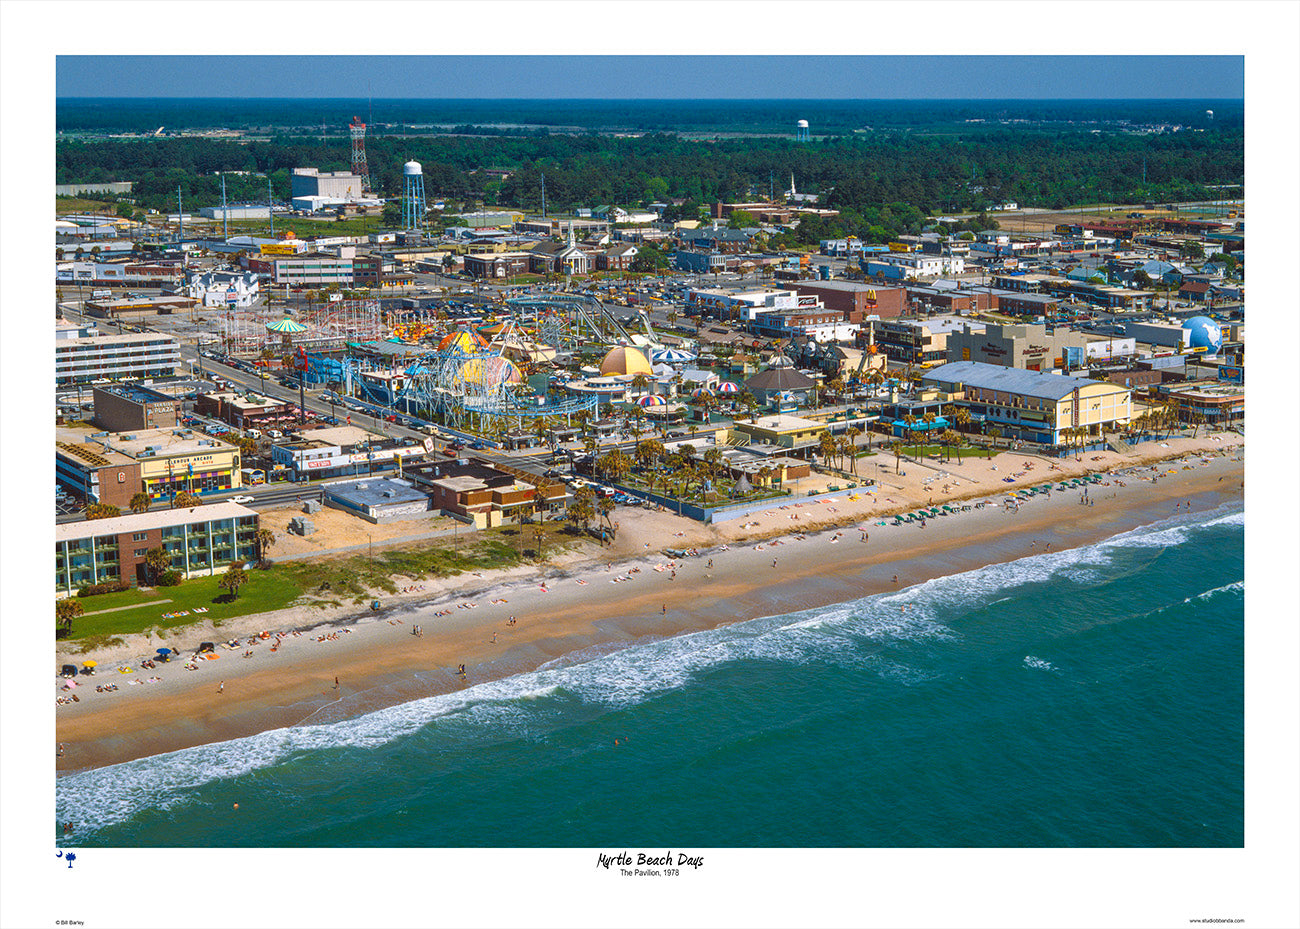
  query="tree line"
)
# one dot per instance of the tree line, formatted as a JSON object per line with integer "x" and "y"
{"x": 954, "y": 172}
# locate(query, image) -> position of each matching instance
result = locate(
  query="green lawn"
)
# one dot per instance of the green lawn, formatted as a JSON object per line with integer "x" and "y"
{"x": 325, "y": 582}
{"x": 265, "y": 590}
{"x": 920, "y": 451}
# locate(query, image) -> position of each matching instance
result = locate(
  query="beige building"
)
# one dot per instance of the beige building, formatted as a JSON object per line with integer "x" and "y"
{"x": 781, "y": 431}
{"x": 1030, "y": 405}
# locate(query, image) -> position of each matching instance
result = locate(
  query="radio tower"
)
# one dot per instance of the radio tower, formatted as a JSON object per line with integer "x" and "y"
{"x": 359, "y": 168}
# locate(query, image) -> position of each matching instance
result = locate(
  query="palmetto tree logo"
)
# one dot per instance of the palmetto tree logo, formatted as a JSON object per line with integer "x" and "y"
{"x": 70, "y": 857}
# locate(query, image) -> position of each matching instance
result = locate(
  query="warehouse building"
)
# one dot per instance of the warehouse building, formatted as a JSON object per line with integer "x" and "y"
{"x": 309, "y": 182}
{"x": 199, "y": 541}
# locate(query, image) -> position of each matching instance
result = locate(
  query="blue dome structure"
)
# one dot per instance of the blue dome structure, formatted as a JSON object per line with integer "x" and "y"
{"x": 1203, "y": 332}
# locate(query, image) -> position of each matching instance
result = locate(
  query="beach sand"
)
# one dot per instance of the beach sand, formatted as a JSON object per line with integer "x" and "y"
{"x": 579, "y": 601}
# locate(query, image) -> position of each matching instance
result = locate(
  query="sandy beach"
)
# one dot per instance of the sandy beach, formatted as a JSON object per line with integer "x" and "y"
{"x": 807, "y": 554}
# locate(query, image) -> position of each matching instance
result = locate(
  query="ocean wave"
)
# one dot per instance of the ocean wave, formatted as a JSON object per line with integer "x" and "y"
{"x": 865, "y": 635}
{"x": 1039, "y": 664}
{"x": 1235, "y": 587}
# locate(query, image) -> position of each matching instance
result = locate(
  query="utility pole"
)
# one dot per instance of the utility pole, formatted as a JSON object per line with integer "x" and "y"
{"x": 270, "y": 205}
{"x": 225, "y": 212}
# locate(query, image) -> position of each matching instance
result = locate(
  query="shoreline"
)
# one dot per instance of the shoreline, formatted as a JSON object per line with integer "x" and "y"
{"x": 577, "y": 604}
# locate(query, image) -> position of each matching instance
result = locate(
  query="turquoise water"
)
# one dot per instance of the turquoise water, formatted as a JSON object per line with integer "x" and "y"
{"x": 1091, "y": 697}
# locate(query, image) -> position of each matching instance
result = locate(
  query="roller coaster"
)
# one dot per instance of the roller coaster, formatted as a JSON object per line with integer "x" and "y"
{"x": 569, "y": 320}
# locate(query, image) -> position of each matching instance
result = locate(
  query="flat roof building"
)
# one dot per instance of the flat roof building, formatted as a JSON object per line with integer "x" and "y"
{"x": 201, "y": 540}
{"x": 378, "y": 499}
{"x": 128, "y": 406}
{"x": 169, "y": 460}
{"x": 84, "y": 360}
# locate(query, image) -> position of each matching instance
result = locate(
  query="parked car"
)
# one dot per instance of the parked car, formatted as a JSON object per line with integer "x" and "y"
{"x": 242, "y": 498}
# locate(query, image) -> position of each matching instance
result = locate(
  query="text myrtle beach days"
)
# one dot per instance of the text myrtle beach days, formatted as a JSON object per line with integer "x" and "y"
{"x": 625, "y": 858}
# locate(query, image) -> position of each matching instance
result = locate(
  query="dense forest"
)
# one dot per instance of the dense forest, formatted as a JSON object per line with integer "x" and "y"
{"x": 934, "y": 173}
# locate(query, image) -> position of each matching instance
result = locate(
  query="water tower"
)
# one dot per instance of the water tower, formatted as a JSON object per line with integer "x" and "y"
{"x": 801, "y": 131}
{"x": 413, "y": 199}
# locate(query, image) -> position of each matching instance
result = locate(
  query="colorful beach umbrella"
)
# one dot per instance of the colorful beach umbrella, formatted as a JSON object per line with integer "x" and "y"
{"x": 701, "y": 392}
{"x": 728, "y": 387}
{"x": 652, "y": 400}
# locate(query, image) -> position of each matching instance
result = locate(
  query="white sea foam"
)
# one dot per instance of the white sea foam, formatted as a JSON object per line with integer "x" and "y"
{"x": 1235, "y": 587}
{"x": 844, "y": 635}
{"x": 1038, "y": 664}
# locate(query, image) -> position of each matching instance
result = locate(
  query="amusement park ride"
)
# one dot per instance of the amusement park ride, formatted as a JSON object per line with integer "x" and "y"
{"x": 469, "y": 380}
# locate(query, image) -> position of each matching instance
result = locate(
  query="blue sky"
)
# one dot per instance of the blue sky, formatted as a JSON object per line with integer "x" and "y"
{"x": 657, "y": 77}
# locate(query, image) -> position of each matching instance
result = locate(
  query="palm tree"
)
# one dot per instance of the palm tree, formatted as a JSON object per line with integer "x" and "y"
{"x": 995, "y": 433}
{"x": 140, "y": 502}
{"x": 234, "y": 578}
{"x": 897, "y": 448}
{"x": 582, "y": 509}
{"x": 157, "y": 560}
{"x": 264, "y": 538}
{"x": 185, "y": 499}
{"x": 826, "y": 446}
{"x": 65, "y": 611}
{"x": 539, "y": 507}
{"x": 605, "y": 505}
{"x": 961, "y": 417}
{"x": 852, "y": 436}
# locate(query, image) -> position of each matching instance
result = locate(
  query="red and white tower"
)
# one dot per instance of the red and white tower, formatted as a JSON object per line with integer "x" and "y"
{"x": 359, "y": 168}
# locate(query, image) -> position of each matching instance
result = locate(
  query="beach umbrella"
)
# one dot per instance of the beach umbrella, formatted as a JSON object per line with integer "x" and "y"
{"x": 164, "y": 651}
{"x": 728, "y": 387}
{"x": 701, "y": 392}
{"x": 71, "y": 683}
{"x": 90, "y": 664}
{"x": 652, "y": 400}
{"x": 286, "y": 325}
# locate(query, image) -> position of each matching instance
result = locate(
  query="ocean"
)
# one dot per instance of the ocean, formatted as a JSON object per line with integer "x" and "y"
{"x": 1085, "y": 698}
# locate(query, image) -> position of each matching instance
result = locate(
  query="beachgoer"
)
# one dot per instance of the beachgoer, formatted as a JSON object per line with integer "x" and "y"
{"x": 336, "y": 683}
{"x": 711, "y": 560}
{"x": 494, "y": 638}
{"x": 774, "y": 562}
{"x": 221, "y": 688}
{"x": 60, "y": 749}
{"x": 895, "y": 578}
{"x": 664, "y": 611}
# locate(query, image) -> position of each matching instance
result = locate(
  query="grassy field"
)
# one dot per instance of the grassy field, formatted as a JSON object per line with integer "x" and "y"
{"x": 265, "y": 590}
{"x": 323, "y": 582}
{"x": 63, "y": 205}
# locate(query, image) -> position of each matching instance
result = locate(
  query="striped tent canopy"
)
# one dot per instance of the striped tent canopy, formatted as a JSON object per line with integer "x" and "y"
{"x": 671, "y": 356}
{"x": 286, "y": 325}
{"x": 701, "y": 392}
{"x": 728, "y": 387}
{"x": 652, "y": 400}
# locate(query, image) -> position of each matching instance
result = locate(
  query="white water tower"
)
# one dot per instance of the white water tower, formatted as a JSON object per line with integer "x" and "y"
{"x": 413, "y": 208}
{"x": 801, "y": 131}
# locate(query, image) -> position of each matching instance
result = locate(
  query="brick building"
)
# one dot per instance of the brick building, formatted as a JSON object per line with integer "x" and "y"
{"x": 126, "y": 406}
{"x": 855, "y": 300}
{"x": 199, "y": 541}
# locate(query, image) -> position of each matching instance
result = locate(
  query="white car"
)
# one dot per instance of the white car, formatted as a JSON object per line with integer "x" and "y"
{"x": 242, "y": 498}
